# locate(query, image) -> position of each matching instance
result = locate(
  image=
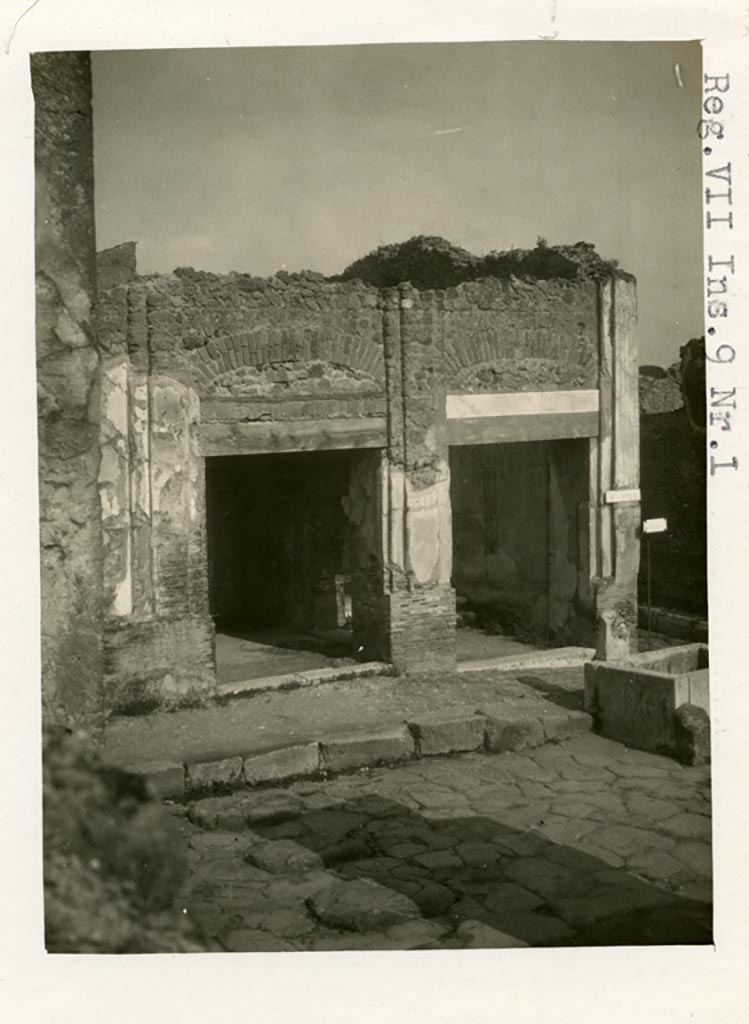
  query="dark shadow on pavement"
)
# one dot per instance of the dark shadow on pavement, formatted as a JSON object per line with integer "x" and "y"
{"x": 515, "y": 881}
{"x": 332, "y": 644}
{"x": 572, "y": 699}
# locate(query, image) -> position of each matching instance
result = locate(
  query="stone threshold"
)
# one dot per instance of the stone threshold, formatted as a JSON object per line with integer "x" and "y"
{"x": 310, "y": 677}
{"x": 493, "y": 728}
{"x": 559, "y": 657}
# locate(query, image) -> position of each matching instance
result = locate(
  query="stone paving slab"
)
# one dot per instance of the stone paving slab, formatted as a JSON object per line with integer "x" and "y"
{"x": 559, "y": 845}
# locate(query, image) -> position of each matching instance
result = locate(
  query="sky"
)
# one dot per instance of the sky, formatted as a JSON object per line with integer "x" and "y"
{"x": 261, "y": 159}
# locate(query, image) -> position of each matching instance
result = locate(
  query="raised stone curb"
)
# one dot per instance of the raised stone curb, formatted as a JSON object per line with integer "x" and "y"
{"x": 344, "y": 753}
{"x": 563, "y": 725}
{"x": 496, "y": 728}
{"x": 510, "y": 729}
{"x": 439, "y": 734}
{"x": 207, "y": 774}
{"x": 281, "y": 765}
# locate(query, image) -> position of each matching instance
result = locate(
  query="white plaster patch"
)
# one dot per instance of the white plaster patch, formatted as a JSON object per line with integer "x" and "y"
{"x": 140, "y": 488}
{"x": 114, "y": 394}
{"x": 428, "y": 525}
{"x": 422, "y": 529}
{"x": 123, "y": 595}
{"x": 69, "y": 331}
{"x": 521, "y": 403}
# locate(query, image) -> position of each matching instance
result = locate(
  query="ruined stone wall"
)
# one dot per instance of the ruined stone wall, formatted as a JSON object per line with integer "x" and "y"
{"x": 520, "y": 335}
{"x": 222, "y": 365}
{"x": 68, "y": 389}
{"x": 239, "y": 336}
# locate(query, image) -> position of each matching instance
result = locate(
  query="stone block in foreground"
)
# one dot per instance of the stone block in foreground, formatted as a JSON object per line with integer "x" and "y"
{"x": 283, "y": 856}
{"x": 508, "y": 728}
{"x": 447, "y": 734}
{"x": 345, "y": 753}
{"x": 209, "y": 774}
{"x": 361, "y": 906}
{"x": 692, "y": 733}
{"x": 298, "y": 761}
{"x": 562, "y": 724}
{"x": 165, "y": 780}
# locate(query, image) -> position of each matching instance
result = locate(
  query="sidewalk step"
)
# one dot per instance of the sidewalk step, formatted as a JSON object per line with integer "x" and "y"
{"x": 494, "y": 728}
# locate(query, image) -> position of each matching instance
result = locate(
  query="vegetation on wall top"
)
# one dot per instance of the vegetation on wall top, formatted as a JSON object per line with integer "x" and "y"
{"x": 432, "y": 262}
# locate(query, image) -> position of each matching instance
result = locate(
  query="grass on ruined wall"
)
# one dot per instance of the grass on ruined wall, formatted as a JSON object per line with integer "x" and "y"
{"x": 429, "y": 262}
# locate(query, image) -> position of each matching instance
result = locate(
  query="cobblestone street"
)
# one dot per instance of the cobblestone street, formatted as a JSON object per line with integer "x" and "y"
{"x": 580, "y": 843}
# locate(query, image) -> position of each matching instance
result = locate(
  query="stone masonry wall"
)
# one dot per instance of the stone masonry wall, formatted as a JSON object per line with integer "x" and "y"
{"x": 246, "y": 361}
{"x": 68, "y": 389}
{"x": 520, "y": 335}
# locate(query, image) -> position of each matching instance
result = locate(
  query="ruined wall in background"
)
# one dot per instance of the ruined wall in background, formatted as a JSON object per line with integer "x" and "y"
{"x": 68, "y": 389}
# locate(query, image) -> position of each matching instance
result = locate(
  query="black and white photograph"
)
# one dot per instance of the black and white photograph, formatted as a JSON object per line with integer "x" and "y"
{"x": 377, "y": 518}
{"x": 373, "y": 533}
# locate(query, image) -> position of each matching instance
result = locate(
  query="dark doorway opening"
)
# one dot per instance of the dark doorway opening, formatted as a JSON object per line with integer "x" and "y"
{"x": 278, "y": 576}
{"x": 518, "y": 537}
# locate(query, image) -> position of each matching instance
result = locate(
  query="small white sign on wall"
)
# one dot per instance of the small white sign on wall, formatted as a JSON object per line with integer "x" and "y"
{"x": 654, "y": 526}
